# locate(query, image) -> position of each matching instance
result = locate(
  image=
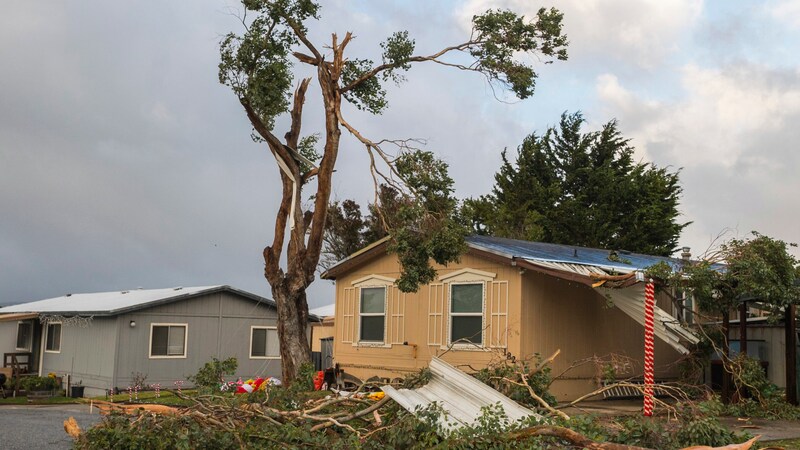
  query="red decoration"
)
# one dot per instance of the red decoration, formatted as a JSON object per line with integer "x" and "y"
{"x": 319, "y": 380}
{"x": 649, "y": 309}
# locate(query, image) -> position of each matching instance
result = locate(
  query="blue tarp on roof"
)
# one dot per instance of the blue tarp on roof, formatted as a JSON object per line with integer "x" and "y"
{"x": 570, "y": 254}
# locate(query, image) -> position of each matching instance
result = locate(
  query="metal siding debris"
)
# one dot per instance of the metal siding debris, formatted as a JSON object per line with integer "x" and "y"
{"x": 589, "y": 262}
{"x": 631, "y": 301}
{"x": 538, "y": 252}
{"x": 458, "y": 394}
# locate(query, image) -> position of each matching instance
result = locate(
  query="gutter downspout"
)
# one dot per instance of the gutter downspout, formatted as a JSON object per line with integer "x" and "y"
{"x": 41, "y": 347}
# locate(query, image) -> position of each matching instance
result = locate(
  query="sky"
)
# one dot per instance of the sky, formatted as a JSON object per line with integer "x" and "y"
{"x": 124, "y": 163}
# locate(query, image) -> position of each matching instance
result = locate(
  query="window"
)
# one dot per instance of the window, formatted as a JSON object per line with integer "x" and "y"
{"x": 168, "y": 340}
{"x": 466, "y": 313}
{"x": 684, "y": 306}
{"x": 372, "y": 314}
{"x": 53, "y": 343}
{"x": 24, "y": 335}
{"x": 688, "y": 309}
{"x": 264, "y": 343}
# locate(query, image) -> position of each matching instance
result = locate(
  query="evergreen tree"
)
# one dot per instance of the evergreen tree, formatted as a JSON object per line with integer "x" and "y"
{"x": 570, "y": 187}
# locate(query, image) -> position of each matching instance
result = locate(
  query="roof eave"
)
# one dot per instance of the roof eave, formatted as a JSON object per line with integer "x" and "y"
{"x": 355, "y": 259}
{"x": 162, "y": 301}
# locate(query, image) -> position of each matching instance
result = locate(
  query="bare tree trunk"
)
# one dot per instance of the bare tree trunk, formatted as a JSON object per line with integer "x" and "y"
{"x": 292, "y": 324}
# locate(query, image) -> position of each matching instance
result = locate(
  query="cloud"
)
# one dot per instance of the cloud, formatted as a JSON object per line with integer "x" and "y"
{"x": 635, "y": 32}
{"x": 786, "y": 11}
{"x": 734, "y": 133}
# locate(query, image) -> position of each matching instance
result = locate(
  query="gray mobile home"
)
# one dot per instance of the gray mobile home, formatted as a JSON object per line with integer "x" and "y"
{"x": 102, "y": 340}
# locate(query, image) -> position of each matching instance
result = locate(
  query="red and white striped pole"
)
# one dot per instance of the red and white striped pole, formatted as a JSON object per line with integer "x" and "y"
{"x": 649, "y": 307}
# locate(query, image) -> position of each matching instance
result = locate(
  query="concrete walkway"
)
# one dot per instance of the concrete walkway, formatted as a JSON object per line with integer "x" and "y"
{"x": 770, "y": 430}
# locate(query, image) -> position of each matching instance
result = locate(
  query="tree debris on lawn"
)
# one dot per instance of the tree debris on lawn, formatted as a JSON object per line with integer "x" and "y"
{"x": 504, "y": 406}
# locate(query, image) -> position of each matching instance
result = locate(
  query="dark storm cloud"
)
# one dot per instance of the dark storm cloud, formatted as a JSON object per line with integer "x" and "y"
{"x": 124, "y": 163}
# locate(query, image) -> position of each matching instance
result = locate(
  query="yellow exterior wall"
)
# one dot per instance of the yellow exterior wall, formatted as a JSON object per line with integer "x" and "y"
{"x": 398, "y": 359}
{"x": 575, "y": 319}
{"x": 320, "y": 331}
{"x": 542, "y": 314}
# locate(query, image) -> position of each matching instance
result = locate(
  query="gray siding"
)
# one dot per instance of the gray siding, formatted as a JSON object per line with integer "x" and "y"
{"x": 8, "y": 337}
{"x": 218, "y": 326}
{"x": 87, "y": 355}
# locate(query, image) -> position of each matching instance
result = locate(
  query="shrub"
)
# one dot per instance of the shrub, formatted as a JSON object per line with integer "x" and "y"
{"x": 38, "y": 383}
{"x": 211, "y": 374}
{"x": 706, "y": 431}
{"x": 498, "y": 375}
{"x": 642, "y": 432}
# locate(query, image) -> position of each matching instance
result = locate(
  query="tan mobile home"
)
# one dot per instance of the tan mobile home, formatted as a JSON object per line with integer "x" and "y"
{"x": 504, "y": 296}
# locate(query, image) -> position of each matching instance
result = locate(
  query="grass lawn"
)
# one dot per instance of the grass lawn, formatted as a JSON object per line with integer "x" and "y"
{"x": 166, "y": 398}
{"x": 44, "y": 401}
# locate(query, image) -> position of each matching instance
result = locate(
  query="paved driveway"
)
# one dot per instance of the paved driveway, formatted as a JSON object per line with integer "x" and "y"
{"x": 41, "y": 427}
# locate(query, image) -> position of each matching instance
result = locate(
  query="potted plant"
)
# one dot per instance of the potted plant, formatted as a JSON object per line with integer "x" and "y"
{"x": 38, "y": 387}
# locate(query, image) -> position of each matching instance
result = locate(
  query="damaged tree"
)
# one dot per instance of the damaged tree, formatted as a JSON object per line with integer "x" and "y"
{"x": 257, "y": 66}
{"x": 759, "y": 270}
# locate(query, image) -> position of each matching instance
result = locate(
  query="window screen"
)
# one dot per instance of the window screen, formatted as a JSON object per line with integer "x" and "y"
{"x": 466, "y": 313}
{"x": 265, "y": 343}
{"x": 24, "y": 334}
{"x": 373, "y": 302}
{"x": 168, "y": 340}
{"x": 53, "y": 343}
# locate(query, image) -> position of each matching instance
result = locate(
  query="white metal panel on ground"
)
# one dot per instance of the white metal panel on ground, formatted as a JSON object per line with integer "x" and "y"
{"x": 630, "y": 300}
{"x": 458, "y": 394}
{"x": 103, "y": 302}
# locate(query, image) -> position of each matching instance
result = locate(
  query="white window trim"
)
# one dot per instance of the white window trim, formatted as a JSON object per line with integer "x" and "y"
{"x": 381, "y": 343}
{"x": 185, "y": 341}
{"x": 467, "y": 275}
{"x": 466, "y": 345}
{"x": 261, "y": 327}
{"x": 30, "y": 337}
{"x": 373, "y": 281}
{"x": 47, "y": 334}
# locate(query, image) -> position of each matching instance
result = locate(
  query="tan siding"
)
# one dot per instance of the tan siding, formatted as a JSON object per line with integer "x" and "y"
{"x": 319, "y": 332}
{"x": 575, "y": 319}
{"x": 524, "y": 314}
{"x": 396, "y": 316}
{"x": 420, "y": 320}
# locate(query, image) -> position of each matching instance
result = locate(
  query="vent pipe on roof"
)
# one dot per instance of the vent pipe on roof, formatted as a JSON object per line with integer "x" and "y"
{"x": 124, "y": 292}
{"x": 686, "y": 253}
{"x": 177, "y": 288}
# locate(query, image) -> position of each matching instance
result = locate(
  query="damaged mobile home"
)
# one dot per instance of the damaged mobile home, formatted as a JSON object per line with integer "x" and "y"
{"x": 507, "y": 296}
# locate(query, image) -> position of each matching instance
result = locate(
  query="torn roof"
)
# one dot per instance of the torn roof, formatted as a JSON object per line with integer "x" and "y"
{"x": 118, "y": 302}
{"x": 569, "y": 254}
{"x": 562, "y": 258}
